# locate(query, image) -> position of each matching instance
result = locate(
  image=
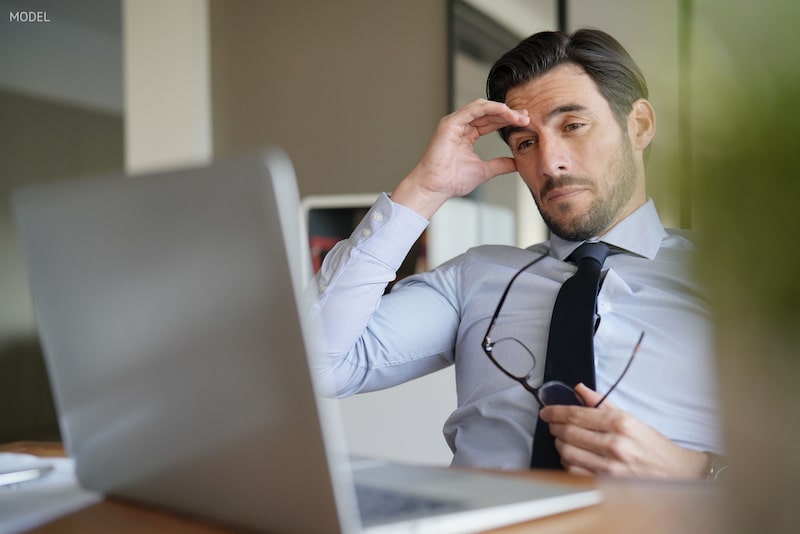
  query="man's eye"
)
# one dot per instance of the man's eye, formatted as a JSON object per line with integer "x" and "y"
{"x": 522, "y": 146}
{"x": 573, "y": 126}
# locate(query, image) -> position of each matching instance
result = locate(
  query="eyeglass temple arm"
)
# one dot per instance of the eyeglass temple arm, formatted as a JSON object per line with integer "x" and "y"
{"x": 624, "y": 371}
{"x": 487, "y": 342}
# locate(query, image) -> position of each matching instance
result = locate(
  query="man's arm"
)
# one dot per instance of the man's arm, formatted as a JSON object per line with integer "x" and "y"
{"x": 353, "y": 277}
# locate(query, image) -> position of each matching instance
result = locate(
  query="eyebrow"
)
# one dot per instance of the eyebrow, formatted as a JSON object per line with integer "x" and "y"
{"x": 560, "y": 110}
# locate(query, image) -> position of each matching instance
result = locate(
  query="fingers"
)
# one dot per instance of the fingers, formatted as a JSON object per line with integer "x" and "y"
{"x": 615, "y": 445}
{"x": 449, "y": 166}
{"x": 603, "y": 419}
{"x": 577, "y": 470}
{"x": 487, "y": 116}
{"x": 594, "y": 451}
{"x": 583, "y": 416}
{"x": 581, "y": 461}
{"x": 591, "y": 439}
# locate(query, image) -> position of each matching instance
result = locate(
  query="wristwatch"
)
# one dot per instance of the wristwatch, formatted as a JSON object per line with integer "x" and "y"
{"x": 717, "y": 467}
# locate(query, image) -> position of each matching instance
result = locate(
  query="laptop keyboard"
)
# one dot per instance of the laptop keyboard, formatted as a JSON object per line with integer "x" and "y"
{"x": 377, "y": 505}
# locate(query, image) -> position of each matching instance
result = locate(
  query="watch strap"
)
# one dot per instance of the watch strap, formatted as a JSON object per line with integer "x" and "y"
{"x": 717, "y": 467}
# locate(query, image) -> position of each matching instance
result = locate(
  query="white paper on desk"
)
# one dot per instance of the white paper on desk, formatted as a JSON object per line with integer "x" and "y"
{"x": 30, "y": 504}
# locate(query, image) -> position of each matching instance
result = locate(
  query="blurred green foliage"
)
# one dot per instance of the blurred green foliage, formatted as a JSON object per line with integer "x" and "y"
{"x": 746, "y": 126}
{"x": 747, "y": 170}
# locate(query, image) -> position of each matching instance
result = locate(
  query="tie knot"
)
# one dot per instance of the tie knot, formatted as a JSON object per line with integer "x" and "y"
{"x": 597, "y": 251}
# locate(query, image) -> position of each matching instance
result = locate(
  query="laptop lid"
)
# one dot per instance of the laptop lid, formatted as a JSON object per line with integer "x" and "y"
{"x": 169, "y": 311}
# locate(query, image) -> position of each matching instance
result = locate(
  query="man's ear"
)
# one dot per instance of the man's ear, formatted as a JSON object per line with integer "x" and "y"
{"x": 642, "y": 124}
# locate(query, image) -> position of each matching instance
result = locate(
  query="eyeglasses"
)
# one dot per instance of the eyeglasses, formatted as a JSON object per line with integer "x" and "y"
{"x": 518, "y": 362}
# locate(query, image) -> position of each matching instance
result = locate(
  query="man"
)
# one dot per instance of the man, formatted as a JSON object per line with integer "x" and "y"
{"x": 574, "y": 113}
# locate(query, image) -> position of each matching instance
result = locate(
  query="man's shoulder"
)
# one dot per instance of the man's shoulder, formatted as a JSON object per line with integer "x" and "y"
{"x": 680, "y": 238}
{"x": 493, "y": 252}
{"x": 678, "y": 247}
{"x": 492, "y": 255}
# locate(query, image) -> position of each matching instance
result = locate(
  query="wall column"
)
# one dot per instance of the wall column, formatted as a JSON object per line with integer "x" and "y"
{"x": 167, "y": 84}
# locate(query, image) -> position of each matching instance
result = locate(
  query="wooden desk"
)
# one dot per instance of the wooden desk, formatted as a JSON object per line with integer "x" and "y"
{"x": 630, "y": 506}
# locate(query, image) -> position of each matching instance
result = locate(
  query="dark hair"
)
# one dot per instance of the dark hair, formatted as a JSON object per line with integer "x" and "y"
{"x": 605, "y": 60}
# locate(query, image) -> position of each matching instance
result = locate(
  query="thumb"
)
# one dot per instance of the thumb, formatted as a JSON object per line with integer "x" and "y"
{"x": 589, "y": 396}
{"x": 498, "y": 166}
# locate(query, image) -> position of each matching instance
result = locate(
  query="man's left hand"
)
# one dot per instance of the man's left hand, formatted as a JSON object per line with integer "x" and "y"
{"x": 608, "y": 440}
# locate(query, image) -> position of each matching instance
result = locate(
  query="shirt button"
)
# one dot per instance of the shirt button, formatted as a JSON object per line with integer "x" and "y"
{"x": 377, "y": 216}
{"x": 366, "y": 232}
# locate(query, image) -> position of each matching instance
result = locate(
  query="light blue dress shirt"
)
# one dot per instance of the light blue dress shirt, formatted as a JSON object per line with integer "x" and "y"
{"x": 372, "y": 341}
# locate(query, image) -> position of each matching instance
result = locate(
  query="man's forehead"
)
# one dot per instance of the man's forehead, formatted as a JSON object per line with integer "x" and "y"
{"x": 567, "y": 83}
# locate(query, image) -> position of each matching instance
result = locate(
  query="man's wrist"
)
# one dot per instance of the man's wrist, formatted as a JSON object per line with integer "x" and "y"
{"x": 413, "y": 196}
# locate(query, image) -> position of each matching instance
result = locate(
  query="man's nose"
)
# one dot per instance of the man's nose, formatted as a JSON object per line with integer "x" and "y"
{"x": 553, "y": 157}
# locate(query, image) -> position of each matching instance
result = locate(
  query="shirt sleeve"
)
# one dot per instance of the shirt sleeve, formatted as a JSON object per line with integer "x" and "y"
{"x": 365, "y": 340}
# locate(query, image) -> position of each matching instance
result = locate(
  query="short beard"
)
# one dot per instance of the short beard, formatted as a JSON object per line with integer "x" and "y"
{"x": 604, "y": 211}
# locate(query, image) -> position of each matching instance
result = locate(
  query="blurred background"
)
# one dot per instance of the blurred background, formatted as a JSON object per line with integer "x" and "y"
{"x": 353, "y": 89}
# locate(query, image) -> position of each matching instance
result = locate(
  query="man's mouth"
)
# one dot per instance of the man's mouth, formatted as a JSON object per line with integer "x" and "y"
{"x": 564, "y": 193}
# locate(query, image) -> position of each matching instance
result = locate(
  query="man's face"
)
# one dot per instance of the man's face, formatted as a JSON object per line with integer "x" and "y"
{"x": 574, "y": 156}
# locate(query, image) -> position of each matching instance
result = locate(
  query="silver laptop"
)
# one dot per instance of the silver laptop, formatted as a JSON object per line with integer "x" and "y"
{"x": 170, "y": 313}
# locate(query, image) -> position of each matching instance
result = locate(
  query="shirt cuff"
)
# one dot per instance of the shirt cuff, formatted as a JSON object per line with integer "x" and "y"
{"x": 388, "y": 231}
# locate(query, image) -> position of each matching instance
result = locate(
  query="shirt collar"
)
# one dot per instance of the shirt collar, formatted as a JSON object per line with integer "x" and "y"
{"x": 639, "y": 233}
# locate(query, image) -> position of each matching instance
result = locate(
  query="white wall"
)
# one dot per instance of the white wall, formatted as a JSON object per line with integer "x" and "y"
{"x": 167, "y": 84}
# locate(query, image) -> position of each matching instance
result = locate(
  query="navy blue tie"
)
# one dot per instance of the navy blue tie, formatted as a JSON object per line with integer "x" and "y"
{"x": 570, "y": 345}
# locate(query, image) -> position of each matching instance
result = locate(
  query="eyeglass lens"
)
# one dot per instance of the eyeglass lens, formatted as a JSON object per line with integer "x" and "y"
{"x": 554, "y": 392}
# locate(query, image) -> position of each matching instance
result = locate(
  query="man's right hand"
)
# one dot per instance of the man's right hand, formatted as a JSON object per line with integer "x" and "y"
{"x": 449, "y": 167}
